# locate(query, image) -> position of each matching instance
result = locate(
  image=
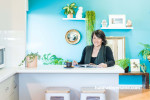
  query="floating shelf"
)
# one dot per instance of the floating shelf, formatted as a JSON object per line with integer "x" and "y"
{"x": 74, "y": 18}
{"x": 116, "y": 27}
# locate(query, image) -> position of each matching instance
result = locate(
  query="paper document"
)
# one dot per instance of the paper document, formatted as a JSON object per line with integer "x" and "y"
{"x": 87, "y": 66}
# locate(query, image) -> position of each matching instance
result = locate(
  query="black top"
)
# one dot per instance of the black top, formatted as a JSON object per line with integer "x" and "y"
{"x": 93, "y": 59}
{"x": 109, "y": 57}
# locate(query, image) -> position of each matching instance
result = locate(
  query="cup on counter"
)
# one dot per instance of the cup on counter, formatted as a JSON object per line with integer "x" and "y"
{"x": 68, "y": 64}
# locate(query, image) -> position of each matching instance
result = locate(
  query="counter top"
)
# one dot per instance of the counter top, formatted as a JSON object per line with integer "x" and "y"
{"x": 8, "y": 71}
{"x": 61, "y": 69}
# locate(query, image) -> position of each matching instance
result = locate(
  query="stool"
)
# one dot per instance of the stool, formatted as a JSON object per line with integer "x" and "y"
{"x": 57, "y": 93}
{"x": 91, "y": 93}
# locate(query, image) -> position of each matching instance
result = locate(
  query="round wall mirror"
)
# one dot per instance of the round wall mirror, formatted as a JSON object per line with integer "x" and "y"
{"x": 72, "y": 36}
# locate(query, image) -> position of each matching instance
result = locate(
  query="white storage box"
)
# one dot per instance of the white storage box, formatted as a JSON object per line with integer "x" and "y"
{"x": 57, "y": 93}
{"x": 90, "y": 93}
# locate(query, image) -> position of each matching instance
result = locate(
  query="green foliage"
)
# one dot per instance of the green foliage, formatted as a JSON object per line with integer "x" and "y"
{"x": 146, "y": 51}
{"x": 69, "y": 8}
{"x": 124, "y": 63}
{"x": 90, "y": 25}
{"x": 31, "y": 58}
{"x": 49, "y": 59}
{"x": 143, "y": 67}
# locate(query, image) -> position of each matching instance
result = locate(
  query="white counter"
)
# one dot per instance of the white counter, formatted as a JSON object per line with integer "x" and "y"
{"x": 61, "y": 69}
{"x": 32, "y": 80}
{"x": 7, "y": 72}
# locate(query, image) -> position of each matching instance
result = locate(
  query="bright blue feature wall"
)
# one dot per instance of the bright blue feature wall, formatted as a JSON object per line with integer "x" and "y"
{"x": 46, "y": 30}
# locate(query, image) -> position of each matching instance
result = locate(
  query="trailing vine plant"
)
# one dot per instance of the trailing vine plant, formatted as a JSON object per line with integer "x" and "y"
{"x": 90, "y": 25}
{"x": 31, "y": 56}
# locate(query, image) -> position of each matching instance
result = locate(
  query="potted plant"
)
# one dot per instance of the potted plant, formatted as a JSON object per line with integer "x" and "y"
{"x": 49, "y": 59}
{"x": 90, "y": 25}
{"x": 124, "y": 63}
{"x": 31, "y": 60}
{"x": 146, "y": 51}
{"x": 69, "y": 10}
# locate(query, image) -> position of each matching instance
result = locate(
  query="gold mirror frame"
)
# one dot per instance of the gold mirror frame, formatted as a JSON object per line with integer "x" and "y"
{"x": 75, "y": 37}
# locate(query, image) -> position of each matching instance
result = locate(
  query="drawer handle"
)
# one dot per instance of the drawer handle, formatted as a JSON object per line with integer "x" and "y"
{"x": 7, "y": 88}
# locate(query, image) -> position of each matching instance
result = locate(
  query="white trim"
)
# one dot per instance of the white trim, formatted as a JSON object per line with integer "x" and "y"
{"x": 27, "y": 5}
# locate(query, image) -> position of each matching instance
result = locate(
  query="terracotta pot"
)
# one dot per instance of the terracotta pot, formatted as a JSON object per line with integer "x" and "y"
{"x": 70, "y": 15}
{"x": 32, "y": 64}
{"x": 126, "y": 69}
{"x": 148, "y": 57}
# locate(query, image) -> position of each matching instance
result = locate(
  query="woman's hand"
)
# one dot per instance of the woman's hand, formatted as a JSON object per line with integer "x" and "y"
{"x": 103, "y": 65}
{"x": 74, "y": 63}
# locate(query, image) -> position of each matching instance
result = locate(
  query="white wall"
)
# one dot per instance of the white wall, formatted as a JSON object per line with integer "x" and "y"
{"x": 13, "y": 30}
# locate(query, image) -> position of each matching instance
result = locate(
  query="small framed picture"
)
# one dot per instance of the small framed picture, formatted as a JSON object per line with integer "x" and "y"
{"x": 117, "y": 21}
{"x": 135, "y": 65}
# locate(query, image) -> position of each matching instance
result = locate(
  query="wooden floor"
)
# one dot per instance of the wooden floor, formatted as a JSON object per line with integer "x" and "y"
{"x": 134, "y": 94}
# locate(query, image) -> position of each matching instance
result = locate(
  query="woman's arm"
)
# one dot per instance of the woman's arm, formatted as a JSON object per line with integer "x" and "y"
{"x": 109, "y": 57}
{"x": 83, "y": 56}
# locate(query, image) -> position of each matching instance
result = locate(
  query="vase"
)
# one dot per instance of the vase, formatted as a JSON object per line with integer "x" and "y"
{"x": 126, "y": 69}
{"x": 70, "y": 15}
{"x": 31, "y": 63}
{"x": 79, "y": 12}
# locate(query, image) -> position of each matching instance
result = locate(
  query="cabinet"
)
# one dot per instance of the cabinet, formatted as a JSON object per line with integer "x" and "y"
{"x": 9, "y": 89}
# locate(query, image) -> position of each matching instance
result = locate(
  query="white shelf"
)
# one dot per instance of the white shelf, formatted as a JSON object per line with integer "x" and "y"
{"x": 116, "y": 27}
{"x": 74, "y": 18}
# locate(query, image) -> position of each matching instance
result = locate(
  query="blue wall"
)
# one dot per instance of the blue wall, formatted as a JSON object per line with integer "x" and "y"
{"x": 46, "y": 30}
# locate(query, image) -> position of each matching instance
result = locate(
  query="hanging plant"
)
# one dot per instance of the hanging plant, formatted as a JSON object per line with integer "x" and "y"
{"x": 90, "y": 25}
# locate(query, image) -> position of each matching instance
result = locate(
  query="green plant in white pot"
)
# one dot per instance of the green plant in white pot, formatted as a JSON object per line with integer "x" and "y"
{"x": 69, "y": 10}
{"x": 31, "y": 60}
{"x": 146, "y": 51}
{"x": 124, "y": 63}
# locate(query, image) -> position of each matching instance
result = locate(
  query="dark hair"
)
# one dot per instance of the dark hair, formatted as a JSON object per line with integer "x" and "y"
{"x": 99, "y": 34}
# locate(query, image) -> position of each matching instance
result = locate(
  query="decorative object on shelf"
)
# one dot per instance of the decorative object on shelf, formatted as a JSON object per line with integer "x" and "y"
{"x": 143, "y": 67}
{"x": 146, "y": 51}
{"x": 79, "y": 13}
{"x": 49, "y": 59}
{"x": 72, "y": 36}
{"x": 31, "y": 60}
{"x": 135, "y": 65}
{"x": 124, "y": 63}
{"x": 69, "y": 10}
{"x": 104, "y": 23}
{"x": 129, "y": 23}
{"x": 117, "y": 21}
{"x": 90, "y": 25}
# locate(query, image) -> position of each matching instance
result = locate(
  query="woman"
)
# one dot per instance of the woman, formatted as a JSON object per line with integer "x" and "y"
{"x": 98, "y": 53}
